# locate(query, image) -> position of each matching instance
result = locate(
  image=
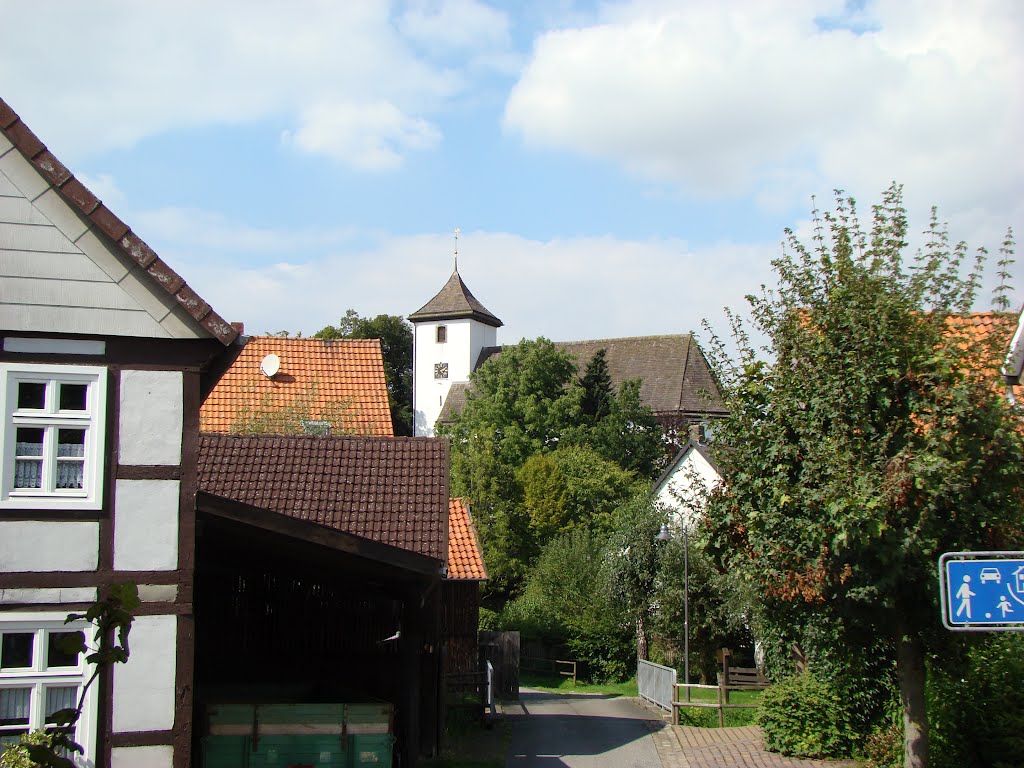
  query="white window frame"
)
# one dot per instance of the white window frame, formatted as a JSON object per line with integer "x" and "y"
{"x": 39, "y": 677}
{"x": 50, "y": 418}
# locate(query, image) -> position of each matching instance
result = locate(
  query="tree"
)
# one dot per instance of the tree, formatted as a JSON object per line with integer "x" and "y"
{"x": 870, "y": 440}
{"x": 395, "y": 336}
{"x": 597, "y": 387}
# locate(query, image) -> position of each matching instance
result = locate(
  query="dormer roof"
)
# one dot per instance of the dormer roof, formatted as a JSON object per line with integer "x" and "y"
{"x": 455, "y": 302}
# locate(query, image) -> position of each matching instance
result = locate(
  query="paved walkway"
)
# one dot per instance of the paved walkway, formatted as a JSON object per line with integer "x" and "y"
{"x": 580, "y": 731}
{"x": 682, "y": 746}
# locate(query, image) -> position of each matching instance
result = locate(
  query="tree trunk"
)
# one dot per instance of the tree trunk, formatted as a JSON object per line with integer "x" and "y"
{"x": 911, "y": 672}
{"x": 642, "y": 650}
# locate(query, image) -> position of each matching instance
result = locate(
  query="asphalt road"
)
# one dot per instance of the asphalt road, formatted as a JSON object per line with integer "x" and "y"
{"x": 579, "y": 731}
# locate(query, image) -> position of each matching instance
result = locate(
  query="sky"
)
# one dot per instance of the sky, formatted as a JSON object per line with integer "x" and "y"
{"x": 615, "y": 168}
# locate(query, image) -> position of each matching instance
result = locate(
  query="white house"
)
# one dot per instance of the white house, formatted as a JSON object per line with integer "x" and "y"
{"x": 685, "y": 483}
{"x": 105, "y": 356}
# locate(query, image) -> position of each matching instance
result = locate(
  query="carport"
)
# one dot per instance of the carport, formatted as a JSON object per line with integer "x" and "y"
{"x": 292, "y": 611}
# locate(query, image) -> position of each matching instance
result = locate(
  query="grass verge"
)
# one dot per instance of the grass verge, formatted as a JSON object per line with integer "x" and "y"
{"x": 565, "y": 685}
{"x": 708, "y": 718}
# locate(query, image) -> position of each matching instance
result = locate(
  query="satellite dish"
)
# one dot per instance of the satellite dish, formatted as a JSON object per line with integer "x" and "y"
{"x": 270, "y": 365}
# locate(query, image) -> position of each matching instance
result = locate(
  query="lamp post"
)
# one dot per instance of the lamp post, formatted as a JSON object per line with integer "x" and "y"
{"x": 666, "y": 535}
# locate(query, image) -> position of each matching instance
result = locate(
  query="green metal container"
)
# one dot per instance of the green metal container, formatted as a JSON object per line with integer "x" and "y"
{"x": 288, "y": 735}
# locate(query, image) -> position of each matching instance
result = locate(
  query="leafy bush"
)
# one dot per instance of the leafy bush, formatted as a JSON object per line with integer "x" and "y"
{"x": 16, "y": 755}
{"x": 804, "y": 717}
{"x": 976, "y": 705}
{"x": 489, "y": 621}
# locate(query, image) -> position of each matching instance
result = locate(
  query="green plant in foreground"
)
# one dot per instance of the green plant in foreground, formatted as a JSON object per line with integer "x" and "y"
{"x": 803, "y": 717}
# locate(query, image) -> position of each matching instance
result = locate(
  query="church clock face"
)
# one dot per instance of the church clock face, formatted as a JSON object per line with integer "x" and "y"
{"x": 440, "y": 370}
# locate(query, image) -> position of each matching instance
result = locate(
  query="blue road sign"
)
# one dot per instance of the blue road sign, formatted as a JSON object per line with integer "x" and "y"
{"x": 982, "y": 591}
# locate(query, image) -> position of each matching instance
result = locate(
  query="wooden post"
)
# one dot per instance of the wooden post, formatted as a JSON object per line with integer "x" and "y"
{"x": 675, "y": 704}
{"x": 722, "y": 690}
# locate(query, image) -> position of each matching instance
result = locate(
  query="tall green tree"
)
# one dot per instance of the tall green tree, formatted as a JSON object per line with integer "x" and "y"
{"x": 868, "y": 437}
{"x": 395, "y": 336}
{"x": 534, "y": 465}
{"x": 597, "y": 387}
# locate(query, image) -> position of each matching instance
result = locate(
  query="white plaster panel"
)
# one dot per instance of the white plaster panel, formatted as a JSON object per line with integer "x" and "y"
{"x": 142, "y": 757}
{"x": 34, "y": 545}
{"x": 18, "y": 210}
{"x": 67, "y": 266}
{"x": 70, "y": 293}
{"x": 151, "y": 417}
{"x": 63, "y": 216}
{"x": 42, "y": 596}
{"x": 144, "y": 685}
{"x": 23, "y": 175}
{"x": 146, "y": 525}
{"x": 30, "y": 237}
{"x": 156, "y": 301}
{"x": 158, "y": 593}
{"x": 179, "y": 325}
{"x": 105, "y": 322}
{"x": 103, "y": 256}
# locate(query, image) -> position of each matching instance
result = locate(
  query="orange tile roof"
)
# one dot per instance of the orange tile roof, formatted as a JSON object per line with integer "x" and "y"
{"x": 336, "y": 380}
{"x": 465, "y": 560}
{"x": 978, "y": 329}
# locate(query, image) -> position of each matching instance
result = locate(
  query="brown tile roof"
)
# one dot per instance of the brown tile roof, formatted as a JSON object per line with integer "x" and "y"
{"x": 161, "y": 276}
{"x": 465, "y": 559}
{"x": 454, "y": 302}
{"x": 336, "y": 380}
{"x": 391, "y": 490}
{"x": 675, "y": 375}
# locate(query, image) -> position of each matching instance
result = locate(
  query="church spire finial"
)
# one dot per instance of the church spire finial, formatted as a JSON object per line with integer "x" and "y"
{"x": 457, "y": 231}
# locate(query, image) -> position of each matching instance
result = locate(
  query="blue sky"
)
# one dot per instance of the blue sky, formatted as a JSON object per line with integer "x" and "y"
{"x": 619, "y": 168}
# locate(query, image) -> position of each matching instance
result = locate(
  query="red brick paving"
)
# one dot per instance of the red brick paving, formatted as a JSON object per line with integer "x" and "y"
{"x": 688, "y": 747}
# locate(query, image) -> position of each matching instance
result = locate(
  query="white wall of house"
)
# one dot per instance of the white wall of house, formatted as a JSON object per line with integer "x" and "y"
{"x": 151, "y": 417}
{"x": 681, "y": 490}
{"x": 146, "y": 525}
{"x": 466, "y": 338}
{"x": 142, "y": 757}
{"x": 40, "y": 545}
{"x": 144, "y": 687}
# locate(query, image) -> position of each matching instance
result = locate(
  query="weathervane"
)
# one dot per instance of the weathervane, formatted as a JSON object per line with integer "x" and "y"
{"x": 457, "y": 231}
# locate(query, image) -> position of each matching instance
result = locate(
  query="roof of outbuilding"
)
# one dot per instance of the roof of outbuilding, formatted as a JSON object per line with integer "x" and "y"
{"x": 465, "y": 560}
{"x": 391, "y": 490}
{"x": 336, "y": 380}
{"x": 77, "y": 195}
{"x": 455, "y": 302}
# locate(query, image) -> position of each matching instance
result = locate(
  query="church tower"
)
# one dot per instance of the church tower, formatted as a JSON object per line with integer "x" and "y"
{"x": 449, "y": 332}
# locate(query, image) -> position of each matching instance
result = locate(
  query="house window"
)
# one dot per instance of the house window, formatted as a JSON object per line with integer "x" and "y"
{"x": 442, "y": 334}
{"x": 39, "y": 677}
{"x": 52, "y": 446}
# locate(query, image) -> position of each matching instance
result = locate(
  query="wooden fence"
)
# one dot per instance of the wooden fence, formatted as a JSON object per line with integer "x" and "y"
{"x": 729, "y": 679}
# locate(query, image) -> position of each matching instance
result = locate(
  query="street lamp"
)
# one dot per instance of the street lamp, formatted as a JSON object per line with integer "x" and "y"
{"x": 666, "y": 535}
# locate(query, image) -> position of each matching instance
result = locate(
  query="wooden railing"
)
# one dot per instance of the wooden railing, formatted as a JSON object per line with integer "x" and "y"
{"x": 729, "y": 679}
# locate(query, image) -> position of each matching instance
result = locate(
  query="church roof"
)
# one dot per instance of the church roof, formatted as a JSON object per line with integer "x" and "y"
{"x": 455, "y": 302}
{"x": 675, "y": 377}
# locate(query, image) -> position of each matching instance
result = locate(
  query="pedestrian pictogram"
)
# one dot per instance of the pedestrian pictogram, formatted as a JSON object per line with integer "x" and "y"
{"x": 982, "y": 591}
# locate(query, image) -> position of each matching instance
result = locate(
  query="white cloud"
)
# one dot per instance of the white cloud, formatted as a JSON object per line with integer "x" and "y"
{"x": 728, "y": 99}
{"x": 563, "y": 289}
{"x": 454, "y": 25}
{"x": 368, "y": 136}
{"x": 163, "y": 65}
